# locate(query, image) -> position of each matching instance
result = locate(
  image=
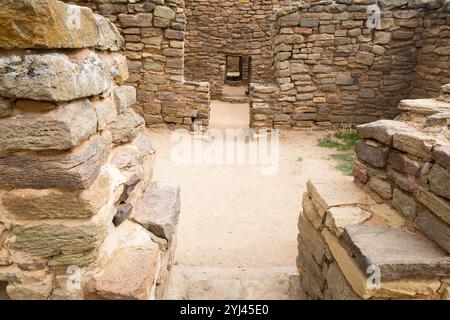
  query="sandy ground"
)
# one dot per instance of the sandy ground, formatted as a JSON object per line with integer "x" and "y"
{"x": 232, "y": 216}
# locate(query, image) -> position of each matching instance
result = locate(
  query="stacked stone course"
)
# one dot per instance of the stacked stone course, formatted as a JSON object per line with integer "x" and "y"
{"x": 398, "y": 227}
{"x": 79, "y": 215}
{"x": 154, "y": 34}
{"x": 331, "y": 68}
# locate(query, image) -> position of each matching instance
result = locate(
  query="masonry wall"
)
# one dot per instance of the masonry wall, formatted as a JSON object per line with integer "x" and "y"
{"x": 154, "y": 33}
{"x": 80, "y": 217}
{"x": 219, "y": 28}
{"x": 330, "y": 68}
{"x": 433, "y": 55}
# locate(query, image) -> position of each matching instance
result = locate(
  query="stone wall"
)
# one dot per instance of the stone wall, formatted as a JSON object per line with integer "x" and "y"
{"x": 433, "y": 54}
{"x": 79, "y": 215}
{"x": 331, "y": 68}
{"x": 390, "y": 240}
{"x": 216, "y": 29}
{"x": 154, "y": 33}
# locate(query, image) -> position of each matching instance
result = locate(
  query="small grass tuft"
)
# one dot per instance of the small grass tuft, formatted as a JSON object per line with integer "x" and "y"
{"x": 299, "y": 159}
{"x": 344, "y": 142}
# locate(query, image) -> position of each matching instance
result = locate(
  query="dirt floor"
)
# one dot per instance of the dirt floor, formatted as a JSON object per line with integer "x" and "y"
{"x": 232, "y": 216}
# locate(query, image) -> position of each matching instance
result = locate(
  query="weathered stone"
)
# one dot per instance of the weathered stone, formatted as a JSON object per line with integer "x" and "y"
{"x": 48, "y": 24}
{"x": 109, "y": 37}
{"x": 382, "y": 130}
{"x": 434, "y": 228}
{"x": 122, "y": 214}
{"x": 415, "y": 143}
{"x": 382, "y": 187}
{"x": 404, "y": 181}
{"x": 337, "y": 285}
{"x": 359, "y": 280}
{"x": 441, "y": 119}
{"x": 6, "y": 107}
{"x": 125, "y": 97}
{"x": 60, "y": 129}
{"x": 127, "y": 127}
{"x": 441, "y": 154}
{"x": 52, "y": 77}
{"x": 40, "y": 290}
{"x": 164, "y": 13}
{"x": 425, "y": 107}
{"x": 437, "y": 205}
{"x": 310, "y": 211}
{"x": 439, "y": 181}
{"x": 404, "y": 203}
{"x": 159, "y": 210}
{"x": 76, "y": 169}
{"x": 73, "y": 259}
{"x": 340, "y": 217}
{"x": 398, "y": 253}
{"x": 57, "y": 204}
{"x": 136, "y": 20}
{"x": 402, "y": 163}
{"x": 106, "y": 112}
{"x": 308, "y": 267}
{"x": 46, "y": 240}
{"x": 313, "y": 240}
{"x": 342, "y": 192}
{"x": 372, "y": 154}
{"x": 132, "y": 265}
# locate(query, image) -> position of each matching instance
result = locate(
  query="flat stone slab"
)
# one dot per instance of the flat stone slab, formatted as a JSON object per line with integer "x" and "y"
{"x": 159, "y": 210}
{"x": 398, "y": 253}
{"x": 424, "y": 107}
{"x": 73, "y": 170}
{"x": 337, "y": 193}
{"x": 382, "y": 130}
{"x": 441, "y": 154}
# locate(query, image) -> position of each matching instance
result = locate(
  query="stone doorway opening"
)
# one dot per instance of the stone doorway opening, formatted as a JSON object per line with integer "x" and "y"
{"x": 237, "y": 70}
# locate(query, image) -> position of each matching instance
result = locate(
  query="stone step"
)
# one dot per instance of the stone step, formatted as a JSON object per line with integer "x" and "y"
{"x": 235, "y": 99}
{"x": 397, "y": 252}
{"x": 200, "y": 283}
{"x": 424, "y": 107}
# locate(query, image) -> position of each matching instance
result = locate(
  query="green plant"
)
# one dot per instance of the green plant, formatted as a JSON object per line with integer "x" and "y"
{"x": 299, "y": 159}
{"x": 343, "y": 141}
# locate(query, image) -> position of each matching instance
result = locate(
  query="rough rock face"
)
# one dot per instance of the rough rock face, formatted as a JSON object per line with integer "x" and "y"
{"x": 75, "y": 170}
{"x": 46, "y": 24}
{"x": 60, "y": 129}
{"x": 52, "y": 77}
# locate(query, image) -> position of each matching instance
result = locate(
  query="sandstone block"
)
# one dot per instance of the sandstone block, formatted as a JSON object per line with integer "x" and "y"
{"x": 404, "y": 203}
{"x": 44, "y": 240}
{"x": 402, "y": 163}
{"x": 125, "y": 97}
{"x": 30, "y": 291}
{"x": 398, "y": 253}
{"x": 343, "y": 192}
{"x": 437, "y": 205}
{"x": 48, "y": 24}
{"x": 164, "y": 13}
{"x": 6, "y": 107}
{"x": 38, "y": 204}
{"x": 434, "y": 228}
{"x": 109, "y": 37}
{"x": 382, "y": 130}
{"x": 131, "y": 267}
{"x": 310, "y": 211}
{"x": 52, "y": 77}
{"x": 415, "y": 143}
{"x": 382, "y": 187}
{"x": 127, "y": 127}
{"x": 337, "y": 285}
{"x": 60, "y": 129}
{"x": 159, "y": 210}
{"x": 372, "y": 153}
{"x": 340, "y": 217}
{"x": 441, "y": 154}
{"x": 439, "y": 181}
{"x": 106, "y": 111}
{"x": 313, "y": 240}
{"x": 72, "y": 170}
